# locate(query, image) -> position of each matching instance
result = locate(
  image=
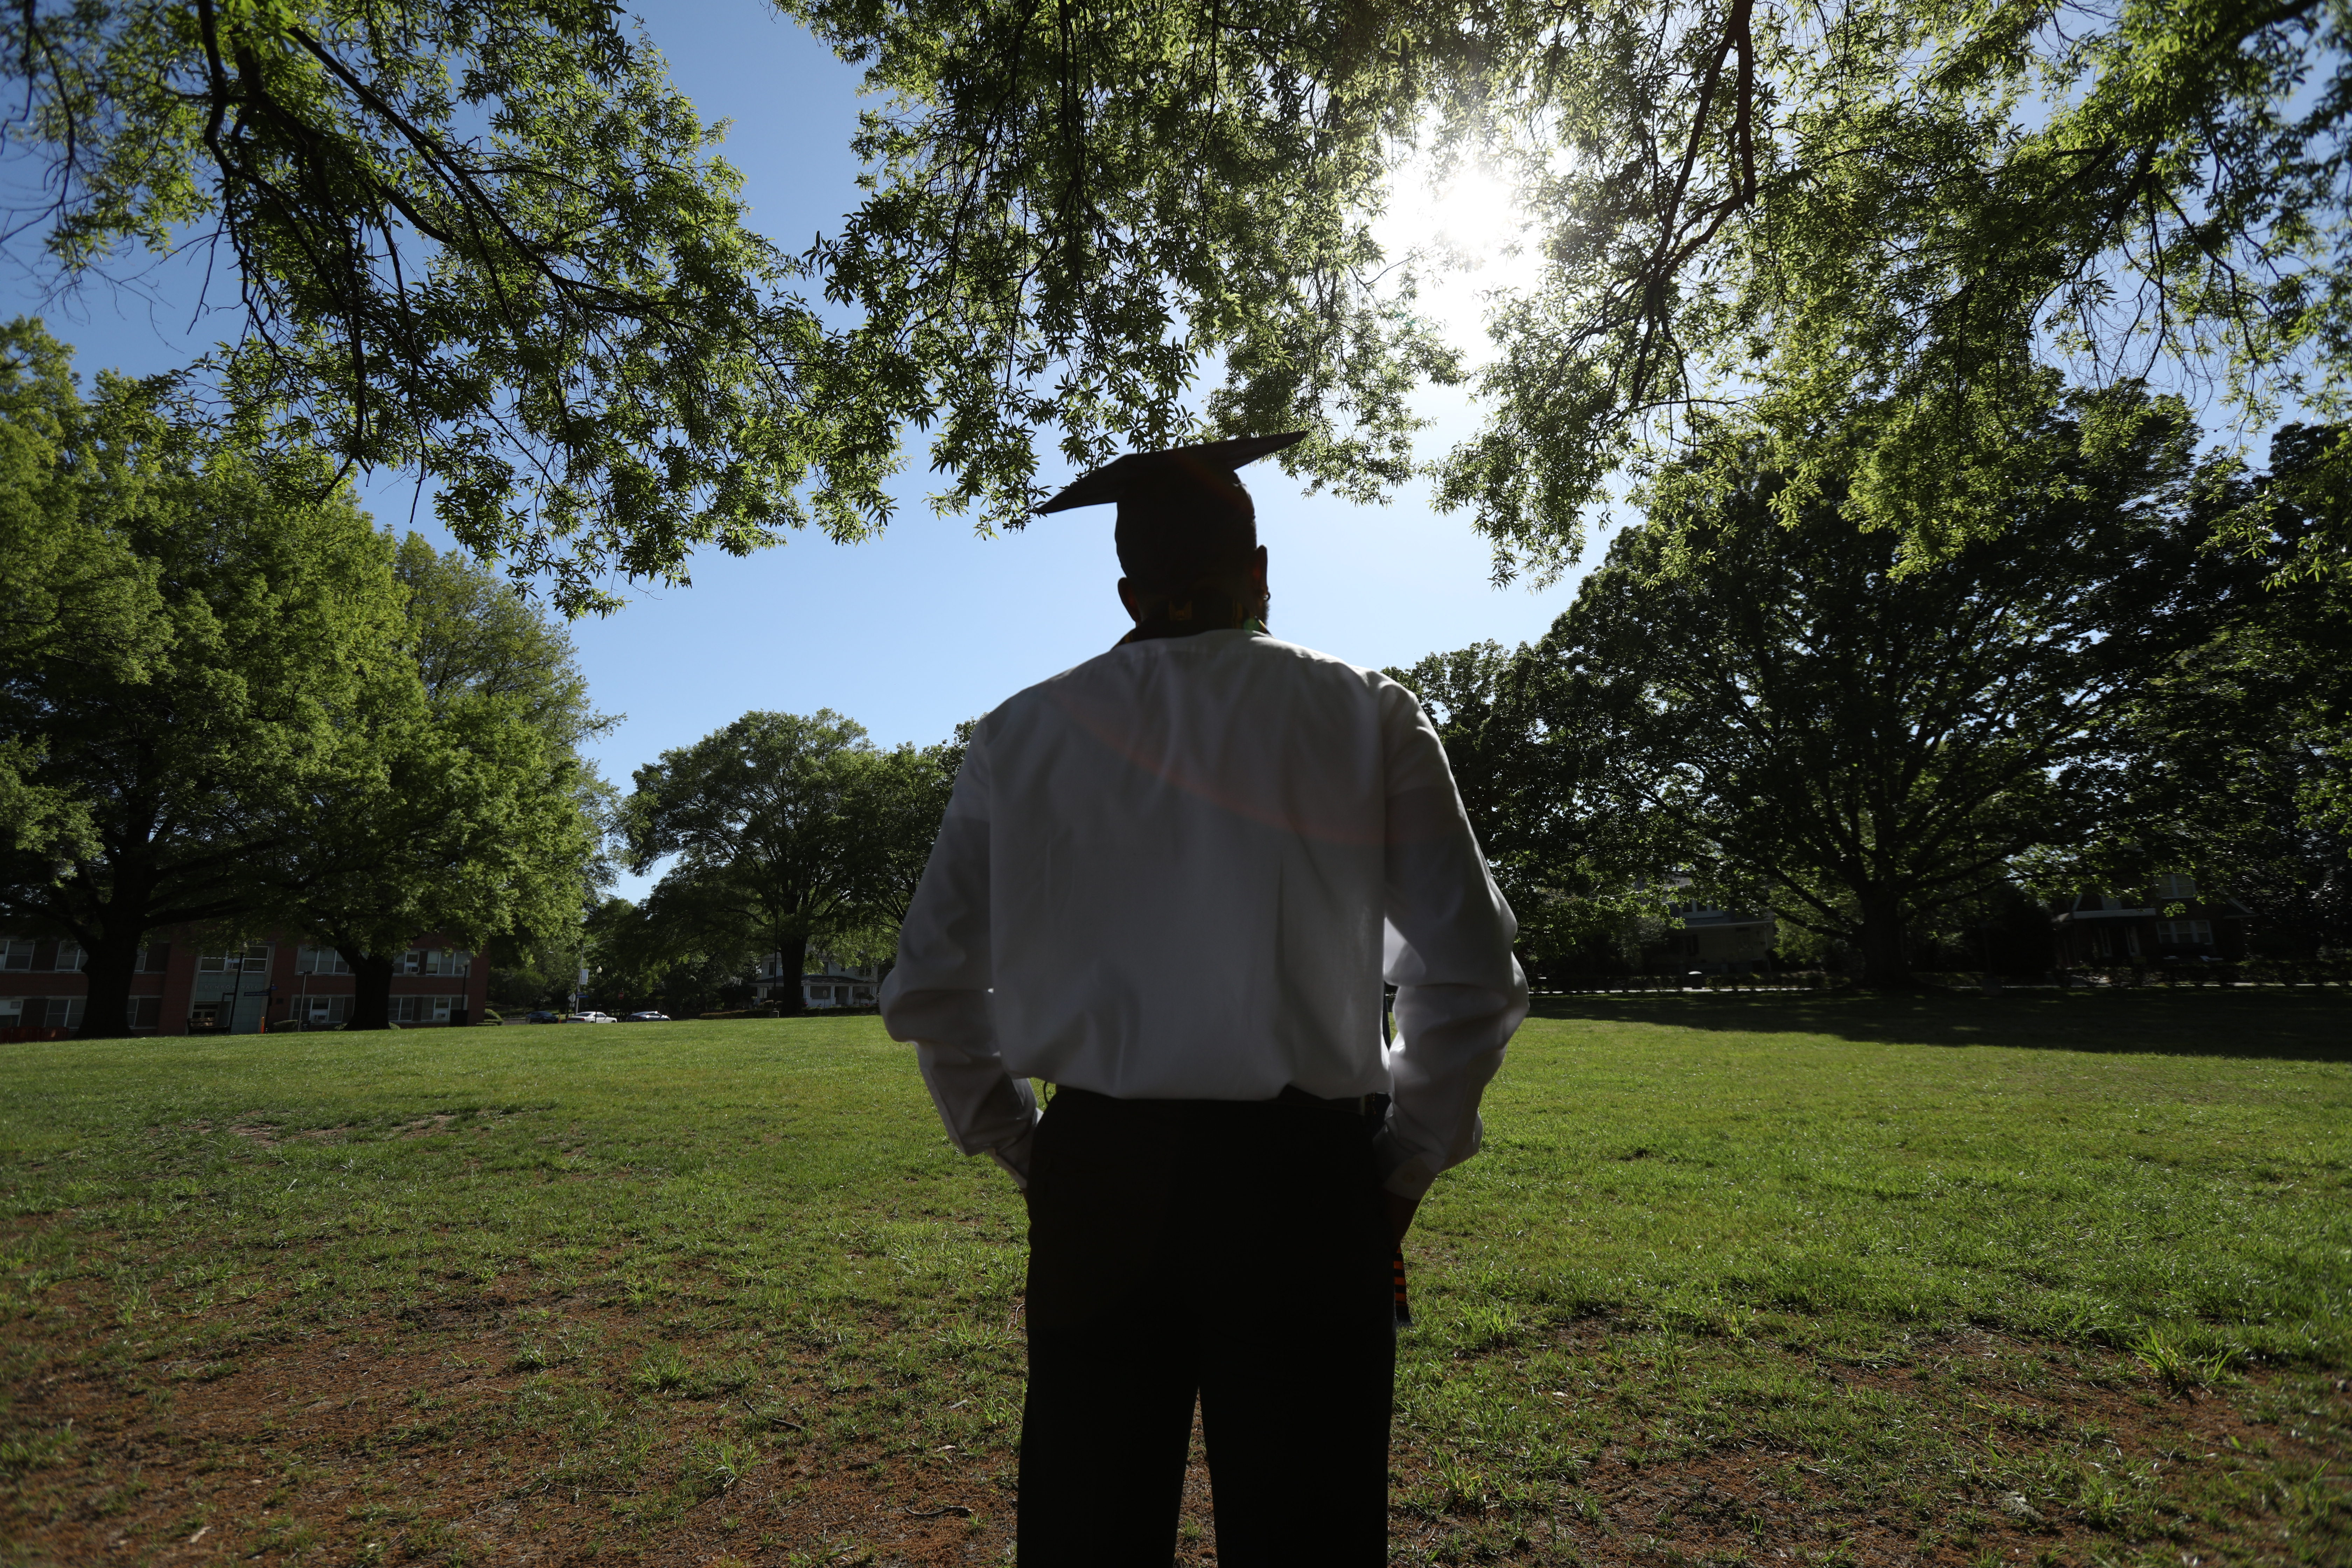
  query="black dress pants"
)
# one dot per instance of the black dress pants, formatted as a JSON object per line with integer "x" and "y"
{"x": 1233, "y": 1251}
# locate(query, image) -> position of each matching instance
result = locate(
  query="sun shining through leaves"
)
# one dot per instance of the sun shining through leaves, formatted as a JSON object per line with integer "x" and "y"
{"x": 1464, "y": 231}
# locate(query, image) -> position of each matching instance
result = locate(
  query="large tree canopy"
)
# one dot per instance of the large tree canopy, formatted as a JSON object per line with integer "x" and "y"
{"x": 902, "y": 799}
{"x": 492, "y": 242}
{"x": 79, "y": 608}
{"x": 778, "y": 823}
{"x": 1581, "y": 876}
{"x": 488, "y": 242}
{"x": 1786, "y": 213}
{"x": 468, "y": 808}
{"x": 788, "y": 830}
{"x": 2241, "y": 772}
{"x": 220, "y": 624}
{"x": 1778, "y": 712}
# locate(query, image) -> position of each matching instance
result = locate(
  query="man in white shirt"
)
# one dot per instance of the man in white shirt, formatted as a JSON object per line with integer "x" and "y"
{"x": 1170, "y": 883}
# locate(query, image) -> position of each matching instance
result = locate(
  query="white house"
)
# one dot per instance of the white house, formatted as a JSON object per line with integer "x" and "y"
{"x": 1718, "y": 942}
{"x": 827, "y": 983}
{"x": 1712, "y": 941}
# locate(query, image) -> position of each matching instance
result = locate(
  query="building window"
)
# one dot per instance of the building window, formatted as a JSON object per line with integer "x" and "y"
{"x": 447, "y": 961}
{"x": 154, "y": 958}
{"x": 315, "y": 960}
{"x": 43, "y": 1013}
{"x": 321, "y": 1011}
{"x": 424, "y": 1009}
{"x": 144, "y": 1013}
{"x": 2185, "y": 934}
{"x": 69, "y": 959}
{"x": 253, "y": 959}
{"x": 12, "y": 1012}
{"x": 2173, "y": 886}
{"x": 16, "y": 953}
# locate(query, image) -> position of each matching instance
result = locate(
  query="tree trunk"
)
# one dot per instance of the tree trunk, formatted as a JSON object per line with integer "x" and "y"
{"x": 792, "y": 959}
{"x": 1884, "y": 944}
{"x": 371, "y": 989}
{"x": 107, "y": 968}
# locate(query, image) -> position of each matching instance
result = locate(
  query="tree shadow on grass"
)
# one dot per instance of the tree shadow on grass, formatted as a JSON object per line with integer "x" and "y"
{"x": 2303, "y": 1025}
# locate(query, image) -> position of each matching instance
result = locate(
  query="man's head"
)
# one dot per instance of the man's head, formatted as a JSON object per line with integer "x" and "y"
{"x": 1188, "y": 543}
{"x": 1187, "y": 532}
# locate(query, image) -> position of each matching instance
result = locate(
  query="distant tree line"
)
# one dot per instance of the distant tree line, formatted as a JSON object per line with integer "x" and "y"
{"x": 228, "y": 701}
{"x": 782, "y": 834}
{"x": 1754, "y": 703}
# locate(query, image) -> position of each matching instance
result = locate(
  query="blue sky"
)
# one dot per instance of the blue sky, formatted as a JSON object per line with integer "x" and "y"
{"x": 929, "y": 624}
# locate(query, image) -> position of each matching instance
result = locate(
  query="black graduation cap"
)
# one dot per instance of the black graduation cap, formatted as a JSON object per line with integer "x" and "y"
{"x": 1117, "y": 478}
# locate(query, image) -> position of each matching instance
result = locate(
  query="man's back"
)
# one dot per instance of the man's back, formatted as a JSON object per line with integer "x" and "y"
{"x": 1182, "y": 870}
{"x": 1187, "y": 840}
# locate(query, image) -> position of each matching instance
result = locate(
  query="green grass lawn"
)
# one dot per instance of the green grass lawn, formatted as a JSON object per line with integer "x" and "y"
{"x": 1738, "y": 1279}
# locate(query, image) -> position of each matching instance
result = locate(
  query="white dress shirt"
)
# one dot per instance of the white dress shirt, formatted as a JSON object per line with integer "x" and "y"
{"x": 1181, "y": 870}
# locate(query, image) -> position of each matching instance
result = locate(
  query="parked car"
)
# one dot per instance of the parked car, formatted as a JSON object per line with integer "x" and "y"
{"x": 543, "y": 1016}
{"x": 591, "y": 1018}
{"x": 646, "y": 1018}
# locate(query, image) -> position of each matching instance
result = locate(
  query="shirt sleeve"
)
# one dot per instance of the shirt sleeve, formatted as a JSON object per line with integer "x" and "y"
{"x": 1460, "y": 991}
{"x": 936, "y": 996}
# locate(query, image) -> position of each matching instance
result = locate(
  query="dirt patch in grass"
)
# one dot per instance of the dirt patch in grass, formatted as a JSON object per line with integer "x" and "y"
{"x": 426, "y": 1126}
{"x": 427, "y": 1435}
{"x": 2095, "y": 1469}
{"x": 270, "y": 1135}
{"x": 384, "y": 1444}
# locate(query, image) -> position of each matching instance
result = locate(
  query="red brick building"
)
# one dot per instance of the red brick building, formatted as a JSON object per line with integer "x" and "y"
{"x": 188, "y": 987}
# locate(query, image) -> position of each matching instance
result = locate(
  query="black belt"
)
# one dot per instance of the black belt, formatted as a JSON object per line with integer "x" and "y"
{"x": 1356, "y": 1105}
